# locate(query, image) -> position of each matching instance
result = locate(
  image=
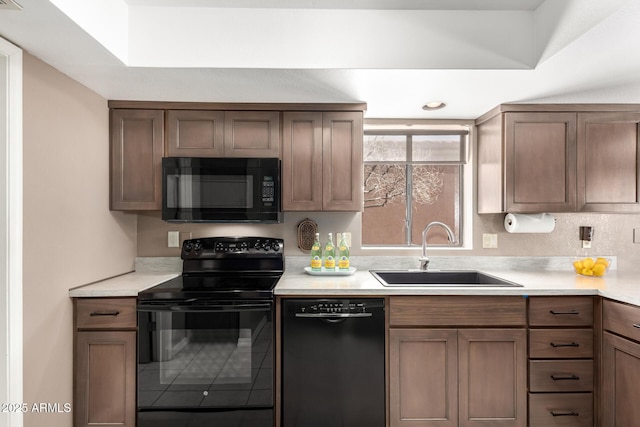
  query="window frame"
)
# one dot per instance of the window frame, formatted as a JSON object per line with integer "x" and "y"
{"x": 464, "y": 200}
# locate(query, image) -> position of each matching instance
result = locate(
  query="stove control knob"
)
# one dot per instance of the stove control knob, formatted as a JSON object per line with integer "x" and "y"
{"x": 197, "y": 246}
{"x": 276, "y": 246}
{"x": 188, "y": 247}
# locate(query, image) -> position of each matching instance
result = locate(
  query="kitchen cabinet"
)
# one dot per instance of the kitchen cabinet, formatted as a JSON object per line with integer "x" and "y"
{"x": 195, "y": 133}
{"x": 620, "y": 364}
{"x": 608, "y": 162}
{"x": 137, "y": 146}
{"x": 252, "y": 134}
{"x": 551, "y": 158}
{"x": 322, "y": 161}
{"x": 212, "y": 133}
{"x": 561, "y": 361}
{"x": 104, "y": 362}
{"x": 526, "y": 163}
{"x": 457, "y": 361}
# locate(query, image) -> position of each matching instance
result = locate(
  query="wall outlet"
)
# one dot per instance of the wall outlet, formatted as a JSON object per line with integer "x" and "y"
{"x": 586, "y": 244}
{"x": 173, "y": 239}
{"x": 489, "y": 241}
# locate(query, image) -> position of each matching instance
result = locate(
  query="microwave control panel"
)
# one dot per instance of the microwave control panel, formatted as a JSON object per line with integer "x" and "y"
{"x": 268, "y": 191}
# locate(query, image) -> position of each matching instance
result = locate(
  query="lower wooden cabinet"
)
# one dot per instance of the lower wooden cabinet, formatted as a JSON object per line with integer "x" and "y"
{"x": 105, "y": 362}
{"x": 561, "y": 409}
{"x": 444, "y": 372}
{"x": 105, "y": 378}
{"x": 620, "y": 365}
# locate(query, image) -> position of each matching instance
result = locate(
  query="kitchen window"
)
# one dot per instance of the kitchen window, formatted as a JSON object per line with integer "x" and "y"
{"x": 413, "y": 175}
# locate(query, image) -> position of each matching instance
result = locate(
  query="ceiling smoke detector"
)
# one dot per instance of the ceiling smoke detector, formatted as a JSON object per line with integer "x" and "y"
{"x": 9, "y": 5}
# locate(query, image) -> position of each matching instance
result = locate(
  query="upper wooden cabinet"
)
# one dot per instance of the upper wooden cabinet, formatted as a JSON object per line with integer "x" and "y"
{"x": 608, "y": 162}
{"x": 322, "y": 157}
{"x": 210, "y": 133}
{"x": 252, "y": 134}
{"x": 322, "y": 161}
{"x": 567, "y": 159}
{"x": 137, "y": 141}
{"x": 195, "y": 133}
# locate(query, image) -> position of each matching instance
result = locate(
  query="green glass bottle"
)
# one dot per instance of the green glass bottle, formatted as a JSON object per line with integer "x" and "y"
{"x": 329, "y": 254}
{"x": 316, "y": 254}
{"x": 343, "y": 253}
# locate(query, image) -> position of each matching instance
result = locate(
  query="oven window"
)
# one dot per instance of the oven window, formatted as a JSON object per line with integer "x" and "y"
{"x": 205, "y": 359}
{"x": 209, "y": 191}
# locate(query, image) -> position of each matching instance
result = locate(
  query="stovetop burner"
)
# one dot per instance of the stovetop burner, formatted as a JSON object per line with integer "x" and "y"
{"x": 224, "y": 268}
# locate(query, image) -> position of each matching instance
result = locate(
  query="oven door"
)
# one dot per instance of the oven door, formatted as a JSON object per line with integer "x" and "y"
{"x": 205, "y": 361}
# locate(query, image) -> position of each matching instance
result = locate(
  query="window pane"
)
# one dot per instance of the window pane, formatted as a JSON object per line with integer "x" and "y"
{"x": 385, "y": 148}
{"x": 436, "y": 197}
{"x": 438, "y": 148}
{"x": 383, "y": 219}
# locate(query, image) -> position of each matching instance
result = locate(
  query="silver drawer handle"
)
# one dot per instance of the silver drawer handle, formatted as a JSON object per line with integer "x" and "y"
{"x": 104, "y": 313}
{"x": 636, "y": 325}
{"x": 564, "y": 413}
{"x": 565, "y": 377}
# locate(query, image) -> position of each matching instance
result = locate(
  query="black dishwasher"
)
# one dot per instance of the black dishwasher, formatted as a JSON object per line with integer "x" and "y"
{"x": 333, "y": 362}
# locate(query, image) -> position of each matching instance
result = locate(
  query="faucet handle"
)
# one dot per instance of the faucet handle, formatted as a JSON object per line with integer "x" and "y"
{"x": 424, "y": 262}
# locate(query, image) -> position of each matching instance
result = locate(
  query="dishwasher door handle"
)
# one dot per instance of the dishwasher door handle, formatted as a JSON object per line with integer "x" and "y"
{"x": 333, "y": 315}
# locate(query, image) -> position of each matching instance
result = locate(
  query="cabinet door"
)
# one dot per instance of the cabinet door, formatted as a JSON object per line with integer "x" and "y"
{"x": 342, "y": 161}
{"x": 608, "y": 162}
{"x": 620, "y": 382}
{"x": 195, "y": 133}
{"x": 105, "y": 391}
{"x": 136, "y": 159}
{"x": 302, "y": 161}
{"x": 423, "y": 376}
{"x": 540, "y": 167}
{"x": 493, "y": 377}
{"x": 252, "y": 134}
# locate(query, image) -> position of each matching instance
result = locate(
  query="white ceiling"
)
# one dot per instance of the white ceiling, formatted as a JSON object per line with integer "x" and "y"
{"x": 395, "y": 55}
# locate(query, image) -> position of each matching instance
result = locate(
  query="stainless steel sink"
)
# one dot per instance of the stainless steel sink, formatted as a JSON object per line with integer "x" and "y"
{"x": 439, "y": 278}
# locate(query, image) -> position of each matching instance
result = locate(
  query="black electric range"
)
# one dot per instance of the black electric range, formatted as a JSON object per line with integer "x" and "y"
{"x": 206, "y": 338}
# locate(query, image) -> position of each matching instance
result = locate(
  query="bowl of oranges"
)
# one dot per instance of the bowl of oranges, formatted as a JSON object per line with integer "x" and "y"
{"x": 594, "y": 267}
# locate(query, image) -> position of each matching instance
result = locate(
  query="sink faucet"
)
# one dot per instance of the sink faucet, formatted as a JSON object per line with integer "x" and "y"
{"x": 424, "y": 260}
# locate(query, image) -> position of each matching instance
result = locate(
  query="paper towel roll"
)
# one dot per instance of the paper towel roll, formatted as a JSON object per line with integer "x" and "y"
{"x": 529, "y": 223}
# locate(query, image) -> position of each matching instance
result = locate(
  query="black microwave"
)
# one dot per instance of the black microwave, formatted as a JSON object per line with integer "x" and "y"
{"x": 208, "y": 189}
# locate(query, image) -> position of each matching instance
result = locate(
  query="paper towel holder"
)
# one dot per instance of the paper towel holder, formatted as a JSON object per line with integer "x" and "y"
{"x": 529, "y": 223}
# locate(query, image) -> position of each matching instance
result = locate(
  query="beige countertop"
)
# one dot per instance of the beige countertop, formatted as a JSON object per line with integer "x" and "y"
{"x": 615, "y": 285}
{"x": 623, "y": 287}
{"x": 126, "y": 285}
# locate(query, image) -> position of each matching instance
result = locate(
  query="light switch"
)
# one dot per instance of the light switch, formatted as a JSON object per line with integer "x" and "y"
{"x": 173, "y": 239}
{"x": 636, "y": 235}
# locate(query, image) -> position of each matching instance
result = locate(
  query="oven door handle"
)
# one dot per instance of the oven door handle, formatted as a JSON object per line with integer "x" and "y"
{"x": 221, "y": 307}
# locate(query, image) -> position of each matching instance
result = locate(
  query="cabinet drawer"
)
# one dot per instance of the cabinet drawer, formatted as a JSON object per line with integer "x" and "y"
{"x": 561, "y": 311}
{"x": 621, "y": 319}
{"x": 457, "y": 311}
{"x": 560, "y": 343}
{"x": 561, "y": 375}
{"x": 566, "y": 410}
{"x": 105, "y": 313}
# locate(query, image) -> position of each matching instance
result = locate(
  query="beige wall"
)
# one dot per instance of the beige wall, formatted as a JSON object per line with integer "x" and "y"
{"x": 70, "y": 236}
{"x": 613, "y": 235}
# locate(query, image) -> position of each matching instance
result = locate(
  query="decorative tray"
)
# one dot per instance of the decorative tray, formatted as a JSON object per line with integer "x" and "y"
{"x": 335, "y": 272}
